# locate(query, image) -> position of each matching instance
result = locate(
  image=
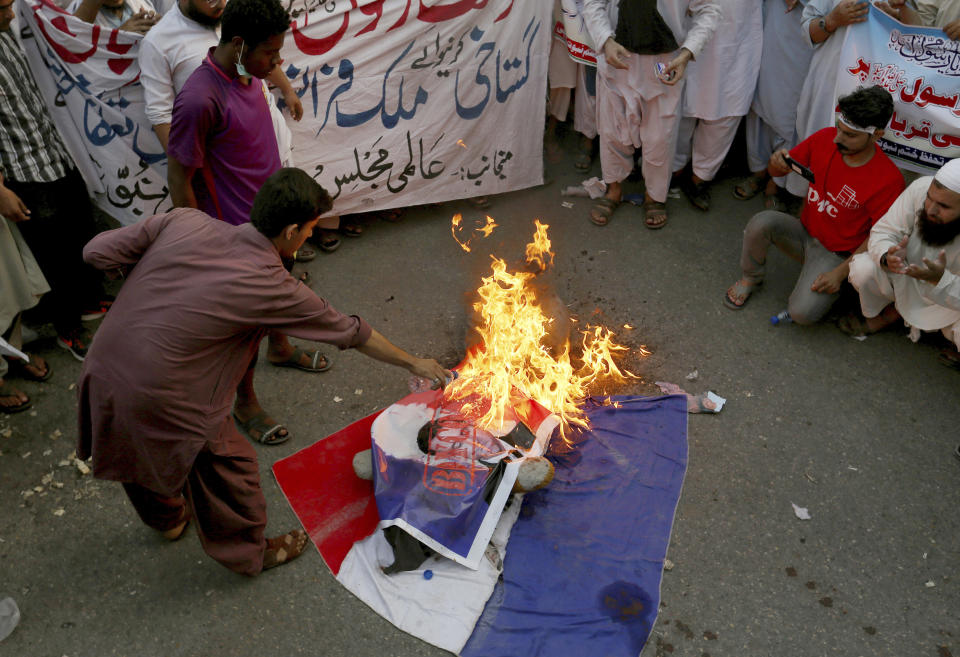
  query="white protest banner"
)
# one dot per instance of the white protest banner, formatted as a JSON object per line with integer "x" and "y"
{"x": 920, "y": 67}
{"x": 87, "y": 75}
{"x": 408, "y": 103}
{"x": 405, "y": 102}
{"x": 572, "y": 30}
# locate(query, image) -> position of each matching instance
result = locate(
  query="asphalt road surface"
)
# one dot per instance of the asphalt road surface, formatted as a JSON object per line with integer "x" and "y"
{"x": 860, "y": 433}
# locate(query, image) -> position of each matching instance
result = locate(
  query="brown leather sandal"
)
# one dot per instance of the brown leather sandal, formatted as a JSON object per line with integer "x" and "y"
{"x": 285, "y": 548}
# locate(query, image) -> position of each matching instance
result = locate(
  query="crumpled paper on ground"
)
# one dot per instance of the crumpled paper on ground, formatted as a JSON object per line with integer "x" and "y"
{"x": 707, "y": 402}
{"x": 9, "y": 617}
{"x": 801, "y": 512}
{"x": 592, "y": 187}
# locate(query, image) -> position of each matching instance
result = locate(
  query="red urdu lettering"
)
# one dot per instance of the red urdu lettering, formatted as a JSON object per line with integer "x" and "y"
{"x": 505, "y": 13}
{"x": 403, "y": 17}
{"x": 897, "y": 124}
{"x": 908, "y": 97}
{"x": 115, "y": 46}
{"x": 118, "y": 65}
{"x": 861, "y": 69}
{"x": 374, "y": 9}
{"x": 67, "y": 55}
{"x": 311, "y": 46}
{"x": 944, "y": 141}
{"x": 441, "y": 13}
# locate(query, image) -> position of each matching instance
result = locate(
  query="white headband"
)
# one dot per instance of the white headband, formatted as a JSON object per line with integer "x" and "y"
{"x": 853, "y": 126}
{"x": 949, "y": 175}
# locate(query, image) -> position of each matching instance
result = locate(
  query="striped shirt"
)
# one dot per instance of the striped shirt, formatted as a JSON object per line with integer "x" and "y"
{"x": 30, "y": 147}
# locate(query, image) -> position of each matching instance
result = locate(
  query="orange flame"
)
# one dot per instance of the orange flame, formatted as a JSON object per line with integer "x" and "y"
{"x": 485, "y": 230}
{"x": 513, "y": 328}
{"x": 539, "y": 248}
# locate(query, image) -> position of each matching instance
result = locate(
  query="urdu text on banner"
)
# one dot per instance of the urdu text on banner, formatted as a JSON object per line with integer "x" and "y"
{"x": 405, "y": 102}
{"x": 920, "y": 67}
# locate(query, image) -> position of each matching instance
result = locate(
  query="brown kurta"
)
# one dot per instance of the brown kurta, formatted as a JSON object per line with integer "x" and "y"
{"x": 159, "y": 380}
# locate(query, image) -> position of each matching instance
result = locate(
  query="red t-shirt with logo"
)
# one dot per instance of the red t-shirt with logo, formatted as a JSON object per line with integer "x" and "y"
{"x": 844, "y": 202}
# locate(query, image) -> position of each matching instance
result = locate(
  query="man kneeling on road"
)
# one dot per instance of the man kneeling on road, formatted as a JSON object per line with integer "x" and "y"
{"x": 912, "y": 269}
{"x": 853, "y": 185}
{"x": 157, "y": 385}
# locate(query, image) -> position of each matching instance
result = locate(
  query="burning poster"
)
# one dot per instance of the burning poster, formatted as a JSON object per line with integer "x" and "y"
{"x": 443, "y": 479}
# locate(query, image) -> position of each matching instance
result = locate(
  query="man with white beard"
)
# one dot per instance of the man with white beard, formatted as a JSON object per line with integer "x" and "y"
{"x": 912, "y": 266}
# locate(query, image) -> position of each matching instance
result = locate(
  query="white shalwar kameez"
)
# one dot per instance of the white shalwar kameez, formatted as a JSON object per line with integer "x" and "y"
{"x": 585, "y": 109}
{"x": 923, "y": 306}
{"x": 634, "y": 106}
{"x": 562, "y": 78}
{"x": 938, "y": 13}
{"x": 818, "y": 96}
{"x": 719, "y": 88}
{"x": 772, "y": 121}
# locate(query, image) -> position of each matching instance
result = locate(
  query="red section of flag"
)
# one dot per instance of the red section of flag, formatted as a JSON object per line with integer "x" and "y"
{"x": 335, "y": 507}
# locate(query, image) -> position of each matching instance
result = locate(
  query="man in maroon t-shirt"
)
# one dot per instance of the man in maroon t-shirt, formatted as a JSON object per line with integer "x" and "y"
{"x": 223, "y": 148}
{"x": 853, "y": 184}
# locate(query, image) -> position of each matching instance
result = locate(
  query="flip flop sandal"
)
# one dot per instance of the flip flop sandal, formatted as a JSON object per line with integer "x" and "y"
{"x": 392, "y": 215}
{"x": 739, "y": 289}
{"x": 950, "y": 358}
{"x": 653, "y": 209}
{"x": 284, "y": 549}
{"x": 602, "y": 210}
{"x": 19, "y": 368}
{"x": 305, "y": 254}
{"x": 269, "y": 434}
{"x": 315, "y": 359}
{"x": 9, "y": 410}
{"x": 351, "y": 230}
{"x": 583, "y": 162}
{"x": 748, "y": 188}
{"x": 773, "y": 202}
{"x": 853, "y": 326}
{"x": 328, "y": 242}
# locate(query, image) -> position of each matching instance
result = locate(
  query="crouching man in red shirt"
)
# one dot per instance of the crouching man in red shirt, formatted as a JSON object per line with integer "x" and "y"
{"x": 854, "y": 183}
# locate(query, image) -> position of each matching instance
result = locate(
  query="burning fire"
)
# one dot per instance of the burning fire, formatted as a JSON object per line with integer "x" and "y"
{"x": 539, "y": 248}
{"x": 514, "y": 354}
{"x": 485, "y": 230}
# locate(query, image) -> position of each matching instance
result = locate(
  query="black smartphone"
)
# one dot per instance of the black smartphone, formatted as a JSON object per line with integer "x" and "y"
{"x": 799, "y": 168}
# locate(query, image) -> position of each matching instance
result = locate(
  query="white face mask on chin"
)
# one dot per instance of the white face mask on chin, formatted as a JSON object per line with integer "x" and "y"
{"x": 241, "y": 69}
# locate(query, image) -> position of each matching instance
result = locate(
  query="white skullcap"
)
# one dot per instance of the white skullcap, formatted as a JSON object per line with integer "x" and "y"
{"x": 949, "y": 175}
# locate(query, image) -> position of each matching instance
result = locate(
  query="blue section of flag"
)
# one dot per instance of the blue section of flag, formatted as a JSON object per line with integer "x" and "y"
{"x": 451, "y": 520}
{"x": 584, "y": 562}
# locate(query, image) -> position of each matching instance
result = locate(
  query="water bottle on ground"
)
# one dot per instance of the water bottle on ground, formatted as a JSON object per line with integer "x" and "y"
{"x": 782, "y": 317}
